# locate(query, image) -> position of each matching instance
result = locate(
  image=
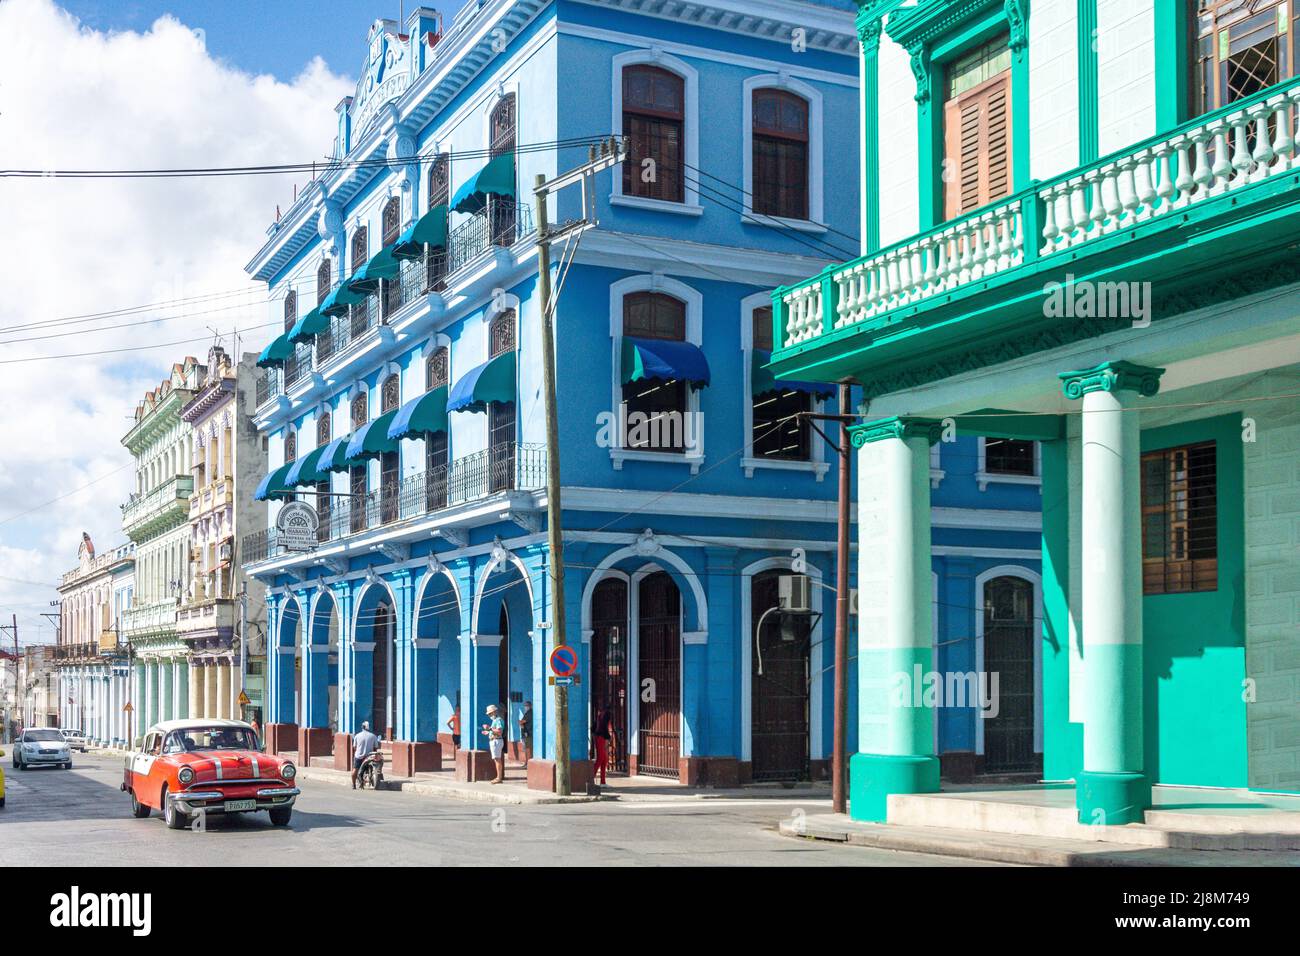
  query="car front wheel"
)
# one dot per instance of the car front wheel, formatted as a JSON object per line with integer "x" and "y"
{"x": 280, "y": 816}
{"x": 138, "y": 809}
{"x": 174, "y": 818}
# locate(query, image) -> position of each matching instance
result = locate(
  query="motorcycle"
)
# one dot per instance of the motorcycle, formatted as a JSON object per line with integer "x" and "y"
{"x": 371, "y": 771}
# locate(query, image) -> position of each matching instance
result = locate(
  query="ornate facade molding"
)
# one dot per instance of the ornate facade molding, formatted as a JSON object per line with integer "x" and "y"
{"x": 900, "y": 427}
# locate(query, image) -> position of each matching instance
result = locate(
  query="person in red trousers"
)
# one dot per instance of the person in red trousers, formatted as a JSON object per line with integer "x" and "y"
{"x": 600, "y": 731}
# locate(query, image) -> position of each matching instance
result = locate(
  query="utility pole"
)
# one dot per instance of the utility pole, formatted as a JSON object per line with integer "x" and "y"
{"x": 838, "y": 802}
{"x": 610, "y": 155}
{"x": 243, "y": 639}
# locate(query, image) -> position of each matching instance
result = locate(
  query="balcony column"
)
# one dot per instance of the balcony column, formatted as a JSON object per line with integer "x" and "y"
{"x": 166, "y": 690}
{"x": 139, "y": 710}
{"x": 1113, "y": 787}
{"x": 181, "y": 679}
{"x": 403, "y": 692}
{"x": 895, "y": 727}
{"x": 149, "y": 711}
{"x": 210, "y": 688}
{"x": 195, "y": 688}
{"x": 223, "y": 688}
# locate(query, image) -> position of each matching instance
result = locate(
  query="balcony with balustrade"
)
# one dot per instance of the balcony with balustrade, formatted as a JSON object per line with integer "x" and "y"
{"x": 164, "y": 506}
{"x": 471, "y": 244}
{"x": 1207, "y": 211}
{"x": 477, "y": 477}
{"x": 145, "y": 620}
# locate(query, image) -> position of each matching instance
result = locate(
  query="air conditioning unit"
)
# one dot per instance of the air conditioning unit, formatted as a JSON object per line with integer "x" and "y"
{"x": 794, "y": 593}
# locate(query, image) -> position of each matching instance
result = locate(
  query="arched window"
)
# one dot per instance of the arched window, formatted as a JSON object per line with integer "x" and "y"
{"x": 1008, "y": 651}
{"x": 501, "y": 415}
{"x": 290, "y": 310}
{"x": 655, "y": 408}
{"x": 324, "y": 435}
{"x": 357, "y": 473}
{"x": 437, "y": 373}
{"x": 501, "y": 209}
{"x": 390, "y": 290}
{"x": 435, "y": 260}
{"x": 359, "y": 245}
{"x": 654, "y": 112}
{"x": 322, "y": 281}
{"x": 780, "y": 147}
{"x": 291, "y": 446}
{"x": 359, "y": 313}
{"x": 390, "y": 395}
{"x": 777, "y": 434}
{"x": 360, "y": 411}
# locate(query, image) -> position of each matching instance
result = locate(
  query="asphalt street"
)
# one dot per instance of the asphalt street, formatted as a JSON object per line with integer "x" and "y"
{"x": 79, "y": 817}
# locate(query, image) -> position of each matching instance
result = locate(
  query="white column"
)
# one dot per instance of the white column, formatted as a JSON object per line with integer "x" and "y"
{"x": 895, "y": 722}
{"x": 1112, "y": 787}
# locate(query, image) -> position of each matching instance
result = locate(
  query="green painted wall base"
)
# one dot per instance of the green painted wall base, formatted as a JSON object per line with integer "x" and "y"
{"x": 873, "y": 777}
{"x": 1112, "y": 798}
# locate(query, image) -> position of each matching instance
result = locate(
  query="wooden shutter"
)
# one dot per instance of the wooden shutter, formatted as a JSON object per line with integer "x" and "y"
{"x": 977, "y": 146}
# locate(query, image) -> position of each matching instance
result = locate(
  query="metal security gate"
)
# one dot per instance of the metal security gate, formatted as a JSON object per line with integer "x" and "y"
{"x": 383, "y": 616}
{"x": 779, "y": 693}
{"x": 609, "y": 664}
{"x": 1009, "y": 653}
{"x": 659, "y": 660}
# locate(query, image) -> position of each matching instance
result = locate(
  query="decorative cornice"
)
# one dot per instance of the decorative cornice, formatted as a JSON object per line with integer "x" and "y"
{"x": 1112, "y": 377}
{"x": 920, "y": 61}
{"x": 897, "y": 427}
{"x": 1017, "y": 15}
{"x": 931, "y": 19}
{"x": 869, "y": 26}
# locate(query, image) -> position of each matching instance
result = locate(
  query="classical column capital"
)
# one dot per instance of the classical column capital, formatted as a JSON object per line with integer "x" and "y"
{"x": 897, "y": 427}
{"x": 1112, "y": 377}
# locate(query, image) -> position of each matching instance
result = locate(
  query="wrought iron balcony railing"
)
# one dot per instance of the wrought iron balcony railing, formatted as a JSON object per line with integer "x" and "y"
{"x": 491, "y": 471}
{"x": 501, "y": 225}
{"x": 1247, "y": 151}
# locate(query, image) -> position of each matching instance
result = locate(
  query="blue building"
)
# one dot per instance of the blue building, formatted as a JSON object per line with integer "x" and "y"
{"x": 403, "y": 402}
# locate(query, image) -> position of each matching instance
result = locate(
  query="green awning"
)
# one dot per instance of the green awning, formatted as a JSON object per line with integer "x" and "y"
{"x": 371, "y": 439}
{"x": 333, "y": 457}
{"x": 337, "y": 302}
{"x": 493, "y": 381}
{"x": 421, "y": 416}
{"x": 276, "y": 354}
{"x": 497, "y": 178}
{"x": 304, "y": 469}
{"x": 310, "y": 325}
{"x": 430, "y": 229}
{"x": 382, "y": 265}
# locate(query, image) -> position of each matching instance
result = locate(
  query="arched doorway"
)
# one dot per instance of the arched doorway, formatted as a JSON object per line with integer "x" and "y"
{"x": 1009, "y": 653}
{"x": 287, "y": 679}
{"x": 779, "y": 685}
{"x": 659, "y": 662}
{"x": 322, "y": 695}
{"x": 609, "y": 642}
{"x": 381, "y": 701}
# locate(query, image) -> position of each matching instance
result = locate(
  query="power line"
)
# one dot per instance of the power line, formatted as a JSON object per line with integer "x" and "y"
{"x": 133, "y": 348}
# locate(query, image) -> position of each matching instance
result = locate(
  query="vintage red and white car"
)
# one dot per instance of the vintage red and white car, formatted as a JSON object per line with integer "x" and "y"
{"x": 194, "y": 767}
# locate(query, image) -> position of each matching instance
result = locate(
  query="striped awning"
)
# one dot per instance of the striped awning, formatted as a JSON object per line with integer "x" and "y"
{"x": 421, "y": 416}
{"x": 371, "y": 439}
{"x": 275, "y": 484}
{"x": 664, "y": 360}
{"x": 493, "y": 381}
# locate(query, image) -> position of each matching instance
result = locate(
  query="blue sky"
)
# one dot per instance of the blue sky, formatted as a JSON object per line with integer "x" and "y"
{"x": 263, "y": 36}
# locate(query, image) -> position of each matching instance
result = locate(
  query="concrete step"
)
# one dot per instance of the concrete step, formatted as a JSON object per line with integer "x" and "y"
{"x": 1244, "y": 829}
{"x": 1022, "y": 850}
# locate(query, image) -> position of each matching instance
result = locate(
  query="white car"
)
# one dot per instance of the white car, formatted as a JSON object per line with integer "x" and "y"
{"x": 75, "y": 738}
{"x": 41, "y": 745}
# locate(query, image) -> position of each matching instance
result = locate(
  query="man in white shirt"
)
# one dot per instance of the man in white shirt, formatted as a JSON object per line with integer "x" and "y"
{"x": 363, "y": 745}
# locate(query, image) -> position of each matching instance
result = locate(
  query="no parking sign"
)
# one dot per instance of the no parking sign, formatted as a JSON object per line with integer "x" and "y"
{"x": 564, "y": 661}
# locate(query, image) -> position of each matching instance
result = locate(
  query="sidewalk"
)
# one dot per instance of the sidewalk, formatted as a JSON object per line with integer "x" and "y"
{"x": 443, "y": 784}
{"x": 1018, "y": 848}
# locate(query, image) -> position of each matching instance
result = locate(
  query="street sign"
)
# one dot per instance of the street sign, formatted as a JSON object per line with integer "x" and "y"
{"x": 243, "y": 699}
{"x": 564, "y": 682}
{"x": 564, "y": 661}
{"x": 127, "y": 708}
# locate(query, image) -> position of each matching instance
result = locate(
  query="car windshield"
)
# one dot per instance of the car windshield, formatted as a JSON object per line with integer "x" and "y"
{"x": 36, "y": 735}
{"x": 209, "y": 738}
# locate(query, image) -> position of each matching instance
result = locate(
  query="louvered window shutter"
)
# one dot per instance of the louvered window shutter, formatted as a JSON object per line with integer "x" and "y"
{"x": 977, "y": 146}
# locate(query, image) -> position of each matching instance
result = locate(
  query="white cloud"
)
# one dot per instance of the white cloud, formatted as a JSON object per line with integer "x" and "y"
{"x": 71, "y": 97}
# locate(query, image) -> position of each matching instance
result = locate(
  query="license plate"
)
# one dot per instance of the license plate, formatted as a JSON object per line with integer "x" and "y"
{"x": 233, "y": 806}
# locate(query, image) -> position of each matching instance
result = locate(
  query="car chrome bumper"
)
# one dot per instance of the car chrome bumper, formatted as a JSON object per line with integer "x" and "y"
{"x": 214, "y": 801}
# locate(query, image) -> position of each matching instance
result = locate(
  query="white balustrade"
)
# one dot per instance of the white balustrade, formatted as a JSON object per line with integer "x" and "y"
{"x": 803, "y": 314}
{"x": 1189, "y": 167}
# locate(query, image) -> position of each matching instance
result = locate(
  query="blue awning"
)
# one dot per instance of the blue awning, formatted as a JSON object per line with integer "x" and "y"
{"x": 274, "y": 484}
{"x": 333, "y": 457}
{"x": 762, "y": 381}
{"x": 493, "y": 381}
{"x": 497, "y": 178}
{"x": 337, "y": 302}
{"x": 664, "y": 359}
{"x": 429, "y": 229}
{"x": 371, "y": 439}
{"x": 421, "y": 416}
{"x": 275, "y": 354}
{"x": 311, "y": 324}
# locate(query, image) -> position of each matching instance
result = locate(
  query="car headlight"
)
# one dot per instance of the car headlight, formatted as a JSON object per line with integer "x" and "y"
{"x": 185, "y": 776}
{"x": 288, "y": 771}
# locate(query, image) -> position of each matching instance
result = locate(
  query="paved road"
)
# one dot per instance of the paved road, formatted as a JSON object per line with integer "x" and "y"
{"x": 56, "y": 817}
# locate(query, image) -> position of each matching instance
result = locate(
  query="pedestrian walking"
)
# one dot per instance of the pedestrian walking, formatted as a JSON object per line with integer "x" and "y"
{"x": 495, "y": 731}
{"x": 600, "y": 732}
{"x": 526, "y": 731}
{"x": 363, "y": 745}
